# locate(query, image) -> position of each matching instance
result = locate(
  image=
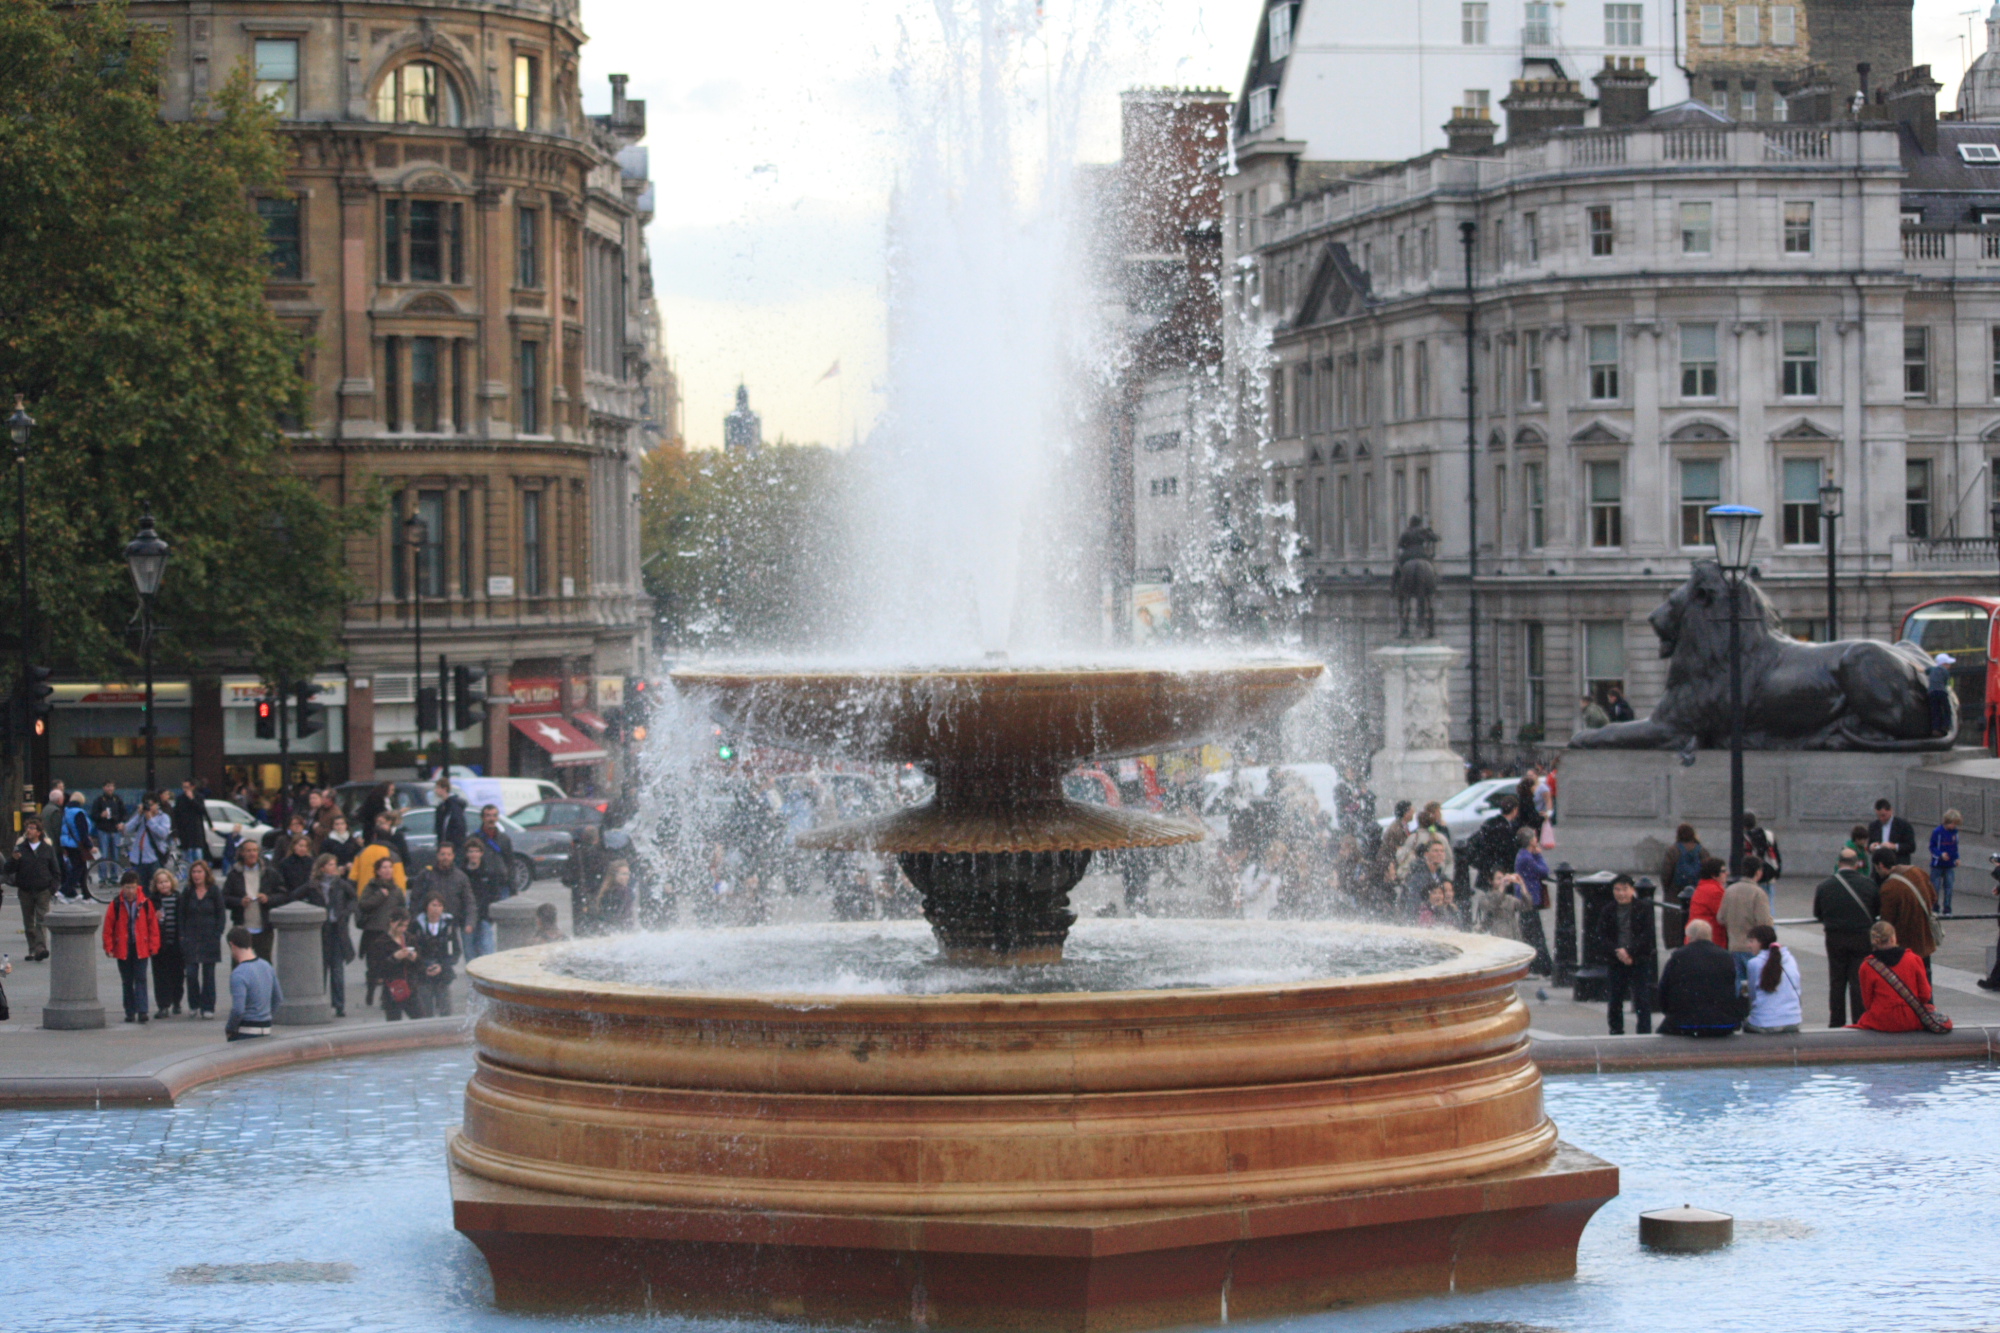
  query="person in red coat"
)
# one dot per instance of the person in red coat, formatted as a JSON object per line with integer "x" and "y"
{"x": 1707, "y": 900}
{"x": 1883, "y": 1010}
{"x": 132, "y": 936}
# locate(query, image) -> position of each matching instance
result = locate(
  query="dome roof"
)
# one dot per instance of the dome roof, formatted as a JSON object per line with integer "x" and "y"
{"x": 1979, "y": 92}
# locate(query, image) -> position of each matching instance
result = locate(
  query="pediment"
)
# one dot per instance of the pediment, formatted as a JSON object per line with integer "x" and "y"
{"x": 1699, "y": 432}
{"x": 1530, "y": 435}
{"x": 1498, "y": 440}
{"x": 431, "y": 303}
{"x": 1338, "y": 287}
{"x": 1361, "y": 450}
{"x": 1313, "y": 455}
{"x": 1339, "y": 453}
{"x": 1597, "y": 433}
{"x": 1991, "y": 433}
{"x": 1803, "y": 429}
{"x": 431, "y": 180}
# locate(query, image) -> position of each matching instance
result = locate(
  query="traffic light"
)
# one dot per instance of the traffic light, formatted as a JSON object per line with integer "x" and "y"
{"x": 638, "y": 706}
{"x": 725, "y": 749}
{"x": 308, "y": 718}
{"x": 427, "y": 709}
{"x": 468, "y": 697}
{"x": 267, "y": 718}
{"x": 40, "y": 699}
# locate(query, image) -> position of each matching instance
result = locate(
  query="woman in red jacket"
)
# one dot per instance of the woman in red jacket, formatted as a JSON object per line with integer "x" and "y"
{"x": 1707, "y": 900}
{"x": 132, "y": 935}
{"x": 1883, "y": 1010}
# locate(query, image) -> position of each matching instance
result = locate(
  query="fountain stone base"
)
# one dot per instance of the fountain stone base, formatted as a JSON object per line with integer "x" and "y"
{"x": 1024, "y": 1272}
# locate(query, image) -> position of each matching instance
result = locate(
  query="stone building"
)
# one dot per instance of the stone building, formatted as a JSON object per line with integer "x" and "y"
{"x": 1751, "y": 60}
{"x": 742, "y": 428}
{"x": 1669, "y": 313}
{"x": 464, "y": 248}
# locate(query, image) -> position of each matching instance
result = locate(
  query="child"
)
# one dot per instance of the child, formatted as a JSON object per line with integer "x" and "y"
{"x": 1944, "y": 859}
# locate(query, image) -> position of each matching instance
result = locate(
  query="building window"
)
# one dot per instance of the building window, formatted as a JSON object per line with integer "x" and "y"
{"x": 1161, "y": 487}
{"x": 1531, "y": 236}
{"x": 1399, "y": 497}
{"x": 424, "y": 384}
{"x": 1697, "y": 229}
{"x": 1367, "y": 512}
{"x": 1784, "y": 25}
{"x": 1601, "y": 341}
{"x": 1603, "y": 658}
{"x": 1598, "y": 216}
{"x": 1472, "y": 22}
{"x": 1424, "y": 494}
{"x": 281, "y": 237}
{"x": 1541, "y": 28}
{"x": 1343, "y": 518}
{"x": 1535, "y": 488}
{"x": 1262, "y": 107}
{"x": 399, "y": 550}
{"x": 1396, "y": 401}
{"x": 1798, "y": 228}
{"x": 1531, "y": 366}
{"x": 1916, "y": 362}
{"x": 392, "y": 384}
{"x": 458, "y": 377}
{"x": 1994, "y": 336}
{"x": 1624, "y": 25}
{"x": 531, "y": 388}
{"x": 1499, "y": 506}
{"x": 1607, "y": 504}
{"x": 430, "y": 548}
{"x": 1711, "y": 25}
{"x": 418, "y": 93}
{"x": 1748, "y": 109}
{"x": 423, "y": 240}
{"x": 1801, "y": 361}
{"x": 1801, "y": 501}
{"x": 468, "y": 581}
{"x": 1698, "y": 361}
{"x": 1917, "y": 497}
{"x": 531, "y": 543}
{"x": 1701, "y": 490}
{"x": 1423, "y": 378}
{"x": 277, "y": 75}
{"x": 1281, "y": 31}
{"x": 527, "y": 93}
{"x": 1534, "y": 678}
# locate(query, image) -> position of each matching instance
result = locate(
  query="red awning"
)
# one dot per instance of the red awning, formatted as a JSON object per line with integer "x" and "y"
{"x": 565, "y": 744}
{"x": 596, "y": 725}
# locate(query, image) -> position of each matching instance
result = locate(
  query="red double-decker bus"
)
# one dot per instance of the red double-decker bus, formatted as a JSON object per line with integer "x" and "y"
{"x": 1965, "y": 628}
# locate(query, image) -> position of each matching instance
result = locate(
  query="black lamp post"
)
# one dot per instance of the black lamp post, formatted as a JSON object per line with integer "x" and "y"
{"x": 20, "y": 427}
{"x": 1735, "y": 528}
{"x": 1468, "y": 233}
{"x": 414, "y": 533}
{"x": 1829, "y": 514}
{"x": 146, "y": 557}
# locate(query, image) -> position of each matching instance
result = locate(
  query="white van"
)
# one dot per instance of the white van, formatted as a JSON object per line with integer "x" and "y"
{"x": 510, "y": 794}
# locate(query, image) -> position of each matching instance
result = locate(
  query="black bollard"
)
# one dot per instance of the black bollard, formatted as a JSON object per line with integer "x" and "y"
{"x": 1565, "y": 953}
{"x": 1592, "y": 978}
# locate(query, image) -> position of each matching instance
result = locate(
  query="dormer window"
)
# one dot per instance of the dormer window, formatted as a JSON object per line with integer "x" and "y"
{"x": 1261, "y": 107}
{"x": 1979, "y": 152}
{"x": 418, "y": 93}
{"x": 1281, "y": 31}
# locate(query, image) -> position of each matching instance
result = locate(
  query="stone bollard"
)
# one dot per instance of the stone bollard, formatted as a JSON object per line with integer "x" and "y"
{"x": 301, "y": 969}
{"x": 1565, "y": 951}
{"x": 513, "y": 922}
{"x": 75, "y": 943}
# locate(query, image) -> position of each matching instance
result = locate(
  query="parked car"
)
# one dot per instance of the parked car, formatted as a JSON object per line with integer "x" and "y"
{"x": 539, "y": 853}
{"x": 408, "y": 795}
{"x": 225, "y": 818}
{"x": 510, "y": 794}
{"x": 1229, "y": 789}
{"x": 570, "y": 813}
{"x": 1465, "y": 811}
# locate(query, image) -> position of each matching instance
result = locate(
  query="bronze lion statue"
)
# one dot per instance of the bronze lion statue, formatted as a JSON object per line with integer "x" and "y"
{"x": 1858, "y": 694}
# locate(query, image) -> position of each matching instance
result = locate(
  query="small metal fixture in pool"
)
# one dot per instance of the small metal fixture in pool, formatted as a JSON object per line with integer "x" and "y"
{"x": 994, "y": 1158}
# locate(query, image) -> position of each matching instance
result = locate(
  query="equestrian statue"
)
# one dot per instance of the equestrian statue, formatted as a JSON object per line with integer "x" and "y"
{"x": 1416, "y": 580}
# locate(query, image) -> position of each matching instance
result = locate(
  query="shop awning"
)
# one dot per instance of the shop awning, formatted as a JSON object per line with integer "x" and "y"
{"x": 565, "y": 744}
{"x": 592, "y": 723}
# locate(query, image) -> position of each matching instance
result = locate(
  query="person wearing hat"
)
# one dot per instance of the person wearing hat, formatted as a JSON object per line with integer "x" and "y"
{"x": 1938, "y": 678}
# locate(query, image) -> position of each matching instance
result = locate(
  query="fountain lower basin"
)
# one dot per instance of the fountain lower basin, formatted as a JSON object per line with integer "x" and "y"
{"x": 1065, "y": 1160}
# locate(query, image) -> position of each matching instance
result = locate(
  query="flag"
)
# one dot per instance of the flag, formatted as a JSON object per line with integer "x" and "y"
{"x": 831, "y": 371}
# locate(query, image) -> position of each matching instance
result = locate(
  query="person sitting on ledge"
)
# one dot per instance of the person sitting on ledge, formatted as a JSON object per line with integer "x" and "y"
{"x": 1895, "y": 988}
{"x": 1777, "y": 1000}
{"x": 1699, "y": 989}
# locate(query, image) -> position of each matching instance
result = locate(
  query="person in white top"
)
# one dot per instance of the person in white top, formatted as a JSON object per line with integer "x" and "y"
{"x": 1775, "y": 993}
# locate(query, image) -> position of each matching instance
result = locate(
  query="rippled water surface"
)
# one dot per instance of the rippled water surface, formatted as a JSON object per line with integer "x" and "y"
{"x": 314, "y": 1201}
{"x": 901, "y": 958}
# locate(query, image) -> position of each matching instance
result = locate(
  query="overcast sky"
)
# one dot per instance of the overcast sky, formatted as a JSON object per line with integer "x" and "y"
{"x": 773, "y": 137}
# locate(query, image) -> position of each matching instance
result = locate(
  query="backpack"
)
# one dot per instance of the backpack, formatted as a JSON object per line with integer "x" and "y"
{"x": 1687, "y": 868}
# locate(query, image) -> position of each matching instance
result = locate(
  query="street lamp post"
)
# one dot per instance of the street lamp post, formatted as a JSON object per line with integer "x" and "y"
{"x": 414, "y": 532}
{"x": 146, "y": 557}
{"x": 1735, "y": 528}
{"x": 1468, "y": 233}
{"x": 20, "y": 427}
{"x": 1829, "y": 514}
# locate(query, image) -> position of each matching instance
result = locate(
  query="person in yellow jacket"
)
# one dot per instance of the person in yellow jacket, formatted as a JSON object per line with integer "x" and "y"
{"x": 381, "y": 844}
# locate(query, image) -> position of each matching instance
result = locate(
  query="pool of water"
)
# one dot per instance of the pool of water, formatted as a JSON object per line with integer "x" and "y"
{"x": 901, "y": 958}
{"x": 314, "y": 1200}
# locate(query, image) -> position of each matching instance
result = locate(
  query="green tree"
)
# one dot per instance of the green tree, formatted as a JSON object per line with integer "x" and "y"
{"x": 745, "y": 550}
{"x": 133, "y": 319}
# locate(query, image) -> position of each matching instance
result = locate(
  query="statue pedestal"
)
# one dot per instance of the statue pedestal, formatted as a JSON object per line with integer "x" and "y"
{"x": 1416, "y": 762}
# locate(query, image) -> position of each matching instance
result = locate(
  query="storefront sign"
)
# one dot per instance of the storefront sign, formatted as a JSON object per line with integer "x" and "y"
{"x": 109, "y": 694}
{"x": 499, "y": 585}
{"x": 535, "y": 696}
{"x": 245, "y": 691}
{"x": 610, "y": 692}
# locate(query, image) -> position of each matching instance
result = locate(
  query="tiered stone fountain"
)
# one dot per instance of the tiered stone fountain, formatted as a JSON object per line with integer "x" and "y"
{"x": 1068, "y": 1160}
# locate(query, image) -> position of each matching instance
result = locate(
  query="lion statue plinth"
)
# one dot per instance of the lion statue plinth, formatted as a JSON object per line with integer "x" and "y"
{"x": 1858, "y": 694}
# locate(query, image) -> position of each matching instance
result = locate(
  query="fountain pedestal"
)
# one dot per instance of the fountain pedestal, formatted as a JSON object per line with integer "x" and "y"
{"x": 1416, "y": 762}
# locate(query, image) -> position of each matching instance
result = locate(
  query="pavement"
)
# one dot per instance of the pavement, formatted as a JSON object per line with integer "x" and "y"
{"x": 27, "y": 1050}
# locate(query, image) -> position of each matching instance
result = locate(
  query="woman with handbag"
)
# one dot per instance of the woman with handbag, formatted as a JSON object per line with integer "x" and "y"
{"x": 392, "y": 961}
{"x": 1895, "y": 988}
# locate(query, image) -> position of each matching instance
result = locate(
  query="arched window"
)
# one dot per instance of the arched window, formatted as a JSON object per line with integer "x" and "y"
{"x": 418, "y": 93}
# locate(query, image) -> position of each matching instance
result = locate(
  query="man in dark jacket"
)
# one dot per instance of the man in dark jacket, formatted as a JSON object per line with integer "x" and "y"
{"x": 1847, "y": 905}
{"x": 1701, "y": 990}
{"x": 107, "y": 818}
{"x": 191, "y": 821}
{"x": 38, "y": 873}
{"x": 445, "y": 882}
{"x": 1631, "y": 955}
{"x": 1892, "y": 830}
{"x": 499, "y": 847}
{"x": 1492, "y": 846}
{"x": 450, "y": 816}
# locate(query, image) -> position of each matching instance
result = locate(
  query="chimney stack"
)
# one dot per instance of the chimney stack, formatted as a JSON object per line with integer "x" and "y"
{"x": 1912, "y": 99}
{"x": 618, "y": 82}
{"x": 1810, "y": 101}
{"x": 1624, "y": 91}
{"x": 1537, "y": 106}
{"x": 1470, "y": 130}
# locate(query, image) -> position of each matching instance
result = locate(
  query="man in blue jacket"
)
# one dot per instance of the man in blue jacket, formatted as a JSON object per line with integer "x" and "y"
{"x": 254, "y": 995}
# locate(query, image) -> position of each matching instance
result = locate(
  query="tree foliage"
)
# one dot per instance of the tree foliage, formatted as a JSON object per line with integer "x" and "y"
{"x": 744, "y": 551}
{"x": 133, "y": 319}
